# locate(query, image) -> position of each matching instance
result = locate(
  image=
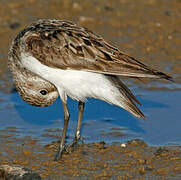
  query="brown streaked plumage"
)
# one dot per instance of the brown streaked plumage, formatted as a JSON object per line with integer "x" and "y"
{"x": 65, "y": 45}
{"x": 47, "y": 47}
{"x": 30, "y": 86}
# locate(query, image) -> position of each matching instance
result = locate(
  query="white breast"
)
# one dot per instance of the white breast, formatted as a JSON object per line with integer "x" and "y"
{"x": 75, "y": 83}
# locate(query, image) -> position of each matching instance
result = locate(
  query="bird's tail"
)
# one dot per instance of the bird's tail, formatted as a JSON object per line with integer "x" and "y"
{"x": 128, "y": 100}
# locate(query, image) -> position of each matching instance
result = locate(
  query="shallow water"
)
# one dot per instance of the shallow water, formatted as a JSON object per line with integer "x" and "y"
{"x": 101, "y": 122}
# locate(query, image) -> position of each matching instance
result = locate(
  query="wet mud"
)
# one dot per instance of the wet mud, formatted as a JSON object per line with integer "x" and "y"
{"x": 133, "y": 160}
{"x": 149, "y": 30}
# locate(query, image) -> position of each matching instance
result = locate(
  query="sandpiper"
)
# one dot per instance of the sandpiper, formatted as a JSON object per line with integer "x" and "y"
{"x": 52, "y": 58}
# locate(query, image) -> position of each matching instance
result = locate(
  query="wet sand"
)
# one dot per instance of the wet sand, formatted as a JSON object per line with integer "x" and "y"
{"x": 150, "y": 30}
{"x": 133, "y": 160}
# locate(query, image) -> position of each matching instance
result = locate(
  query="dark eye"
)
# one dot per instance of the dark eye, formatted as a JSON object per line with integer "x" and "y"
{"x": 43, "y": 92}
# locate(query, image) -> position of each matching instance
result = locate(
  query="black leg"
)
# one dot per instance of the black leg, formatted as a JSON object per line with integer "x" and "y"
{"x": 62, "y": 143}
{"x": 77, "y": 134}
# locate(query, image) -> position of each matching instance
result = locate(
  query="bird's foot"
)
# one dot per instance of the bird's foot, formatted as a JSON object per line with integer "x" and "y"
{"x": 76, "y": 141}
{"x": 64, "y": 148}
{"x": 60, "y": 151}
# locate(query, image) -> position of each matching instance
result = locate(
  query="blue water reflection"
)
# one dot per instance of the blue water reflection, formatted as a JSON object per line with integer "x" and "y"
{"x": 94, "y": 110}
{"x": 101, "y": 121}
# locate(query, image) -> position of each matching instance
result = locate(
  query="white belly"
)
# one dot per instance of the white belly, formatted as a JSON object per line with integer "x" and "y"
{"x": 75, "y": 83}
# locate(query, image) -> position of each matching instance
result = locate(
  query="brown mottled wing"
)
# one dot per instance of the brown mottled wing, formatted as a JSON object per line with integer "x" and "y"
{"x": 62, "y": 44}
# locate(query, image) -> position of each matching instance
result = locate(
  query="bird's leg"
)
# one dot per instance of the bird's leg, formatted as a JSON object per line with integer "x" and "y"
{"x": 77, "y": 134}
{"x": 62, "y": 143}
{"x": 81, "y": 111}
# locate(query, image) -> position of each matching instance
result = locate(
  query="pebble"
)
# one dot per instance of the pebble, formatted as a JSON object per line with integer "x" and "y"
{"x": 17, "y": 173}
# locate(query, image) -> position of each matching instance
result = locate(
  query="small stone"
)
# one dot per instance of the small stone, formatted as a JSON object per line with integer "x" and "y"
{"x": 83, "y": 19}
{"x": 137, "y": 142}
{"x": 167, "y": 13}
{"x": 14, "y": 25}
{"x": 148, "y": 49}
{"x": 108, "y": 8}
{"x": 77, "y": 6}
{"x": 17, "y": 172}
{"x": 123, "y": 145}
{"x": 100, "y": 145}
{"x": 158, "y": 24}
{"x": 169, "y": 37}
{"x": 160, "y": 151}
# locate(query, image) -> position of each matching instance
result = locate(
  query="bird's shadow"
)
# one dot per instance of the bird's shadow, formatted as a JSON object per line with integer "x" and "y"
{"x": 36, "y": 115}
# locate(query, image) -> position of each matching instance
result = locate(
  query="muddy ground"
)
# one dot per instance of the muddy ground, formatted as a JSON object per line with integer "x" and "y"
{"x": 133, "y": 160}
{"x": 147, "y": 29}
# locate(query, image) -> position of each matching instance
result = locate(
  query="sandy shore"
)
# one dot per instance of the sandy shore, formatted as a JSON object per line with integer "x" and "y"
{"x": 133, "y": 160}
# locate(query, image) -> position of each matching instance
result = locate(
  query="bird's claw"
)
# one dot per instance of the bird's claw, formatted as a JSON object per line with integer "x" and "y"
{"x": 76, "y": 141}
{"x": 60, "y": 152}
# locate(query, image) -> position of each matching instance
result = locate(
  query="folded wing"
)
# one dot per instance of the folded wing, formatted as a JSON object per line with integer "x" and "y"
{"x": 63, "y": 44}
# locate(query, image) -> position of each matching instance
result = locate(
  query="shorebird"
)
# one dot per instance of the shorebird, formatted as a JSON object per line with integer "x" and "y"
{"x": 52, "y": 58}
